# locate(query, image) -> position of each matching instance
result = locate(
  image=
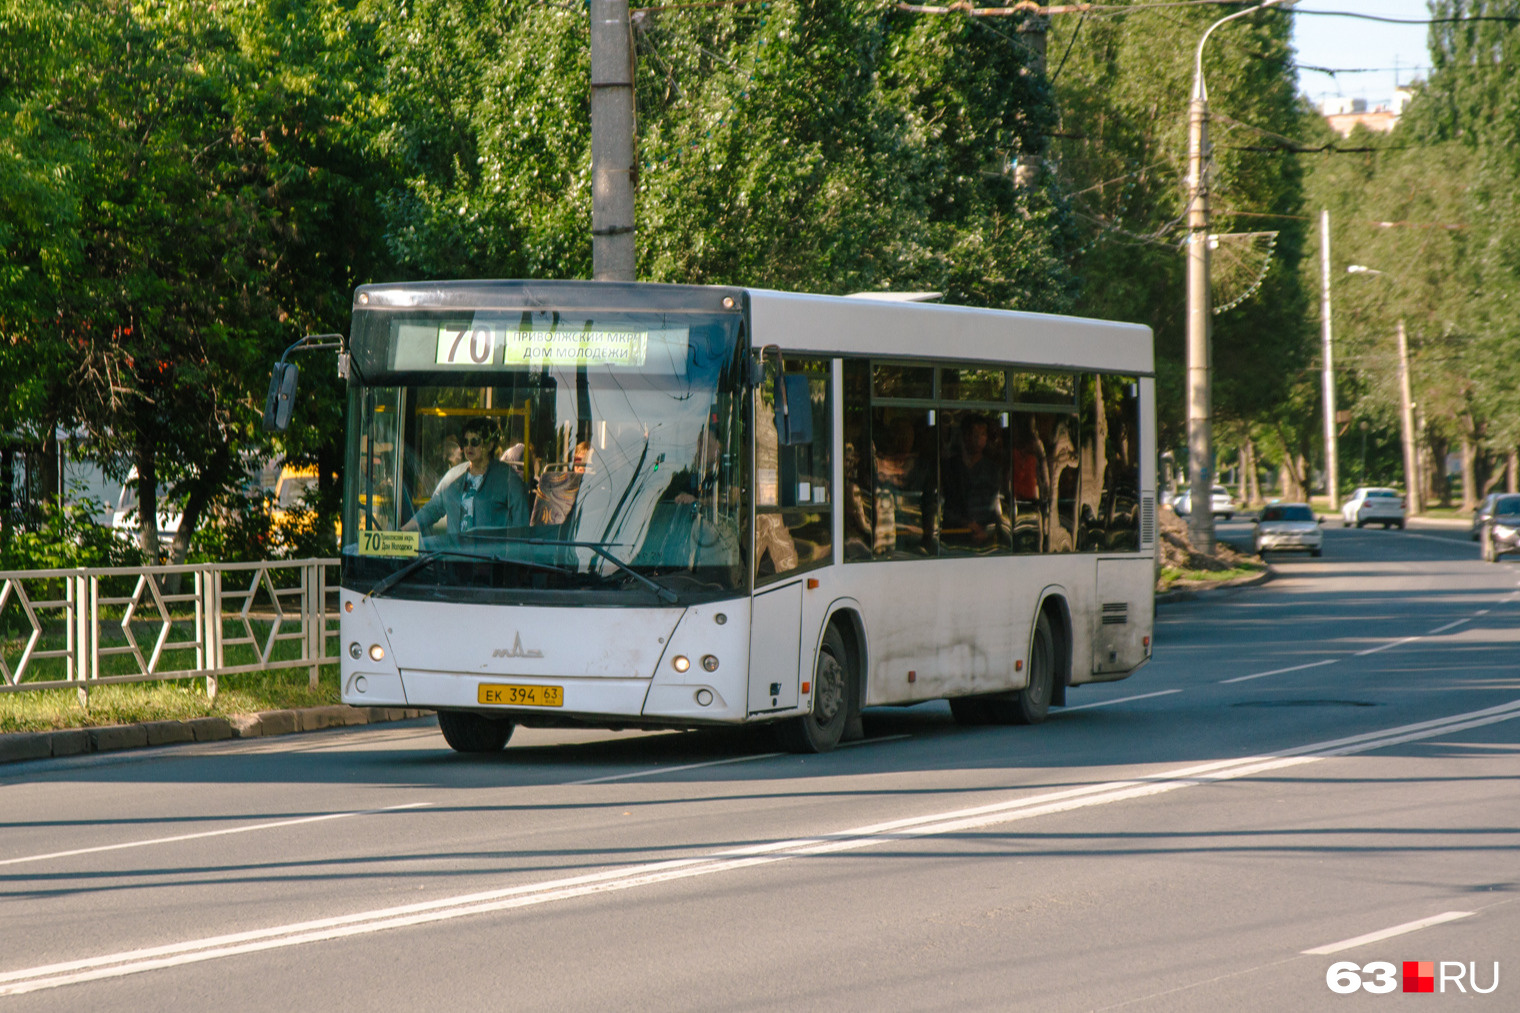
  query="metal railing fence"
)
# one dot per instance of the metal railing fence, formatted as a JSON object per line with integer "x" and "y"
{"x": 78, "y": 628}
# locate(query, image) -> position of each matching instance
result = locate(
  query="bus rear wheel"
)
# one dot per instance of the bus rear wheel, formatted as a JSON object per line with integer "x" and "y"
{"x": 820, "y": 731}
{"x": 473, "y": 733}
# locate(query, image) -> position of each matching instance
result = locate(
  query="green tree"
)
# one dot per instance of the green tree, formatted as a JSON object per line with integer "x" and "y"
{"x": 820, "y": 146}
{"x": 1124, "y": 83}
{"x": 208, "y": 180}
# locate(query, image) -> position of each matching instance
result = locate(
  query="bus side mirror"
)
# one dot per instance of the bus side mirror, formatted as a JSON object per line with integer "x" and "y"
{"x": 281, "y": 400}
{"x": 794, "y": 410}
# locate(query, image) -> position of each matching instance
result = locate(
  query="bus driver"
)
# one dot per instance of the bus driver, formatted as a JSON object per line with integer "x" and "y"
{"x": 487, "y": 494}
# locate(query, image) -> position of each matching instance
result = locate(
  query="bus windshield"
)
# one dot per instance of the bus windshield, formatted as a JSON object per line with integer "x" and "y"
{"x": 502, "y": 456}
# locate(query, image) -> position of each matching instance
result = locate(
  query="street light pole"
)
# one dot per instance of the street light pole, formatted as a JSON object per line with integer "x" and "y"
{"x": 1332, "y": 456}
{"x": 1200, "y": 365}
{"x": 1412, "y": 488}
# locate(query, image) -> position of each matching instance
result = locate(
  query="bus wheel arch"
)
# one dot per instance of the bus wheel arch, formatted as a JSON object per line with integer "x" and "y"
{"x": 1057, "y": 612}
{"x": 834, "y": 712}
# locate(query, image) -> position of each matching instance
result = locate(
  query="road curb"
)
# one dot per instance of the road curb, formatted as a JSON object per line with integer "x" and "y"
{"x": 1214, "y": 591}
{"x": 16, "y": 747}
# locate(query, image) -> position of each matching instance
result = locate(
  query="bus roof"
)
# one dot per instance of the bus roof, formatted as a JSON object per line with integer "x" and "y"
{"x": 895, "y": 329}
{"x": 844, "y": 325}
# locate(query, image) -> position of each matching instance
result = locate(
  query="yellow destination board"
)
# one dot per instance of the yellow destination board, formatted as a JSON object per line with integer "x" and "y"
{"x": 388, "y": 543}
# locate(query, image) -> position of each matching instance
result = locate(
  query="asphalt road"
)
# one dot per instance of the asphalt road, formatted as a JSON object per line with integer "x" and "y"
{"x": 1325, "y": 757}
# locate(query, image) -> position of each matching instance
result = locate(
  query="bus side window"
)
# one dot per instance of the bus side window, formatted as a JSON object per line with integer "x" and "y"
{"x": 793, "y": 526}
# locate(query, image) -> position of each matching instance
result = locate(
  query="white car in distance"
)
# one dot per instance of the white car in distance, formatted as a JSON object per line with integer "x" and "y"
{"x": 1221, "y": 504}
{"x": 1373, "y": 505}
{"x": 1290, "y": 526}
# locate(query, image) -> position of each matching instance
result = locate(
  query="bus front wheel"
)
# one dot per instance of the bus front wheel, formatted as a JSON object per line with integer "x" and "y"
{"x": 473, "y": 733}
{"x": 820, "y": 731}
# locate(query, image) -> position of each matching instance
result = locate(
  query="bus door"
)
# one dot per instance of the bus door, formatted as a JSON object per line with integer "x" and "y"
{"x": 775, "y": 648}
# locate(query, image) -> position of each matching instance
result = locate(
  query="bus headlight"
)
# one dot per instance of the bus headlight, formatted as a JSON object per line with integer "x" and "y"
{"x": 680, "y": 663}
{"x": 355, "y": 651}
{"x": 376, "y": 652}
{"x": 710, "y": 662}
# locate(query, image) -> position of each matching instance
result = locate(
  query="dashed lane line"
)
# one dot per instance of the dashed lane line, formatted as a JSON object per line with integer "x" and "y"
{"x": 224, "y": 832}
{"x": 1380, "y": 935}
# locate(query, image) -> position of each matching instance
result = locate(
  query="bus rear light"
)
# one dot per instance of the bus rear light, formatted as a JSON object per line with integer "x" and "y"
{"x": 1018, "y": 666}
{"x": 680, "y": 663}
{"x": 710, "y": 662}
{"x": 807, "y": 687}
{"x": 376, "y": 652}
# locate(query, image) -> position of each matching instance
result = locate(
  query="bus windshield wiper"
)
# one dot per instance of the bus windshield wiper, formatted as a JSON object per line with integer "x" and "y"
{"x": 661, "y": 592}
{"x": 391, "y": 580}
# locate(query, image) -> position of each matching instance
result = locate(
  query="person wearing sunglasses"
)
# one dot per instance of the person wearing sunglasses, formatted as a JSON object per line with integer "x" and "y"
{"x": 485, "y": 495}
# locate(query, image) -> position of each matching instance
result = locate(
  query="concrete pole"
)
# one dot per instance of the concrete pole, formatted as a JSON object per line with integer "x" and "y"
{"x": 1199, "y": 321}
{"x": 1332, "y": 456}
{"x": 1406, "y": 405}
{"x": 1033, "y": 29}
{"x": 614, "y": 173}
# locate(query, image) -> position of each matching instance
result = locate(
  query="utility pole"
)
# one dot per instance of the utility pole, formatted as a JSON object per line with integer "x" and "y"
{"x": 1033, "y": 30}
{"x": 1406, "y": 405}
{"x": 1332, "y": 456}
{"x": 614, "y": 172}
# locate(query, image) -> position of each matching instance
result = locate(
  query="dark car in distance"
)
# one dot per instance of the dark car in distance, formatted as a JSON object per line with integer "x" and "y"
{"x": 1500, "y": 533}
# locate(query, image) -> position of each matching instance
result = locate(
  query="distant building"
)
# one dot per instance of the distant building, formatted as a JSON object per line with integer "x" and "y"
{"x": 1346, "y": 114}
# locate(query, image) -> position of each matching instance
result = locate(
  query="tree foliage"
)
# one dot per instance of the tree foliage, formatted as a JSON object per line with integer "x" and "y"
{"x": 1431, "y": 207}
{"x": 196, "y": 213}
{"x": 1124, "y": 82}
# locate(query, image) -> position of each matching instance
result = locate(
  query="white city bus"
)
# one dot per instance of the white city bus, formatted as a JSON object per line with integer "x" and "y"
{"x": 661, "y": 506}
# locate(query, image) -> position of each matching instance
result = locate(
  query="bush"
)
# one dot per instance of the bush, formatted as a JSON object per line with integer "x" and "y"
{"x": 64, "y": 537}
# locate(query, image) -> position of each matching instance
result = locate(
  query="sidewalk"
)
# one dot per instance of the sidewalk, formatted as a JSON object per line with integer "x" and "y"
{"x": 17, "y": 746}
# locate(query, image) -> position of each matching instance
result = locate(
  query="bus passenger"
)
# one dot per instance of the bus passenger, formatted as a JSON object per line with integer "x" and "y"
{"x": 973, "y": 486}
{"x": 485, "y": 495}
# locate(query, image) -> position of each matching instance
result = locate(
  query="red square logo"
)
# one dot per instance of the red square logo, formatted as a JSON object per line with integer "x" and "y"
{"x": 1419, "y": 975}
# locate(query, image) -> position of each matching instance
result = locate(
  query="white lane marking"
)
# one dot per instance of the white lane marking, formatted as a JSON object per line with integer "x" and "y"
{"x": 671, "y": 770}
{"x": 1397, "y": 930}
{"x": 1110, "y": 703}
{"x": 1448, "y": 626}
{"x": 364, "y": 922}
{"x": 210, "y": 833}
{"x": 1279, "y": 671}
{"x": 1383, "y": 647}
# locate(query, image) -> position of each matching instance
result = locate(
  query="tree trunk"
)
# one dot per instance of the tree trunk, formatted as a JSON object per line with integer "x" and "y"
{"x": 146, "y": 461}
{"x": 1469, "y": 474}
{"x": 201, "y": 490}
{"x": 1253, "y": 476}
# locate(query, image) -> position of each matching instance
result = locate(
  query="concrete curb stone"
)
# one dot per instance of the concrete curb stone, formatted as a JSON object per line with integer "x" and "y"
{"x": 25, "y": 746}
{"x": 21, "y": 746}
{"x": 113, "y": 737}
{"x": 164, "y": 733}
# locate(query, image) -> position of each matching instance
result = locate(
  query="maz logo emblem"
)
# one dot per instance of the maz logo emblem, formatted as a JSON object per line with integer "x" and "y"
{"x": 516, "y": 651}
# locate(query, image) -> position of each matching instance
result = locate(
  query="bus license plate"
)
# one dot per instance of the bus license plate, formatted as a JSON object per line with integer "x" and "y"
{"x": 520, "y": 696}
